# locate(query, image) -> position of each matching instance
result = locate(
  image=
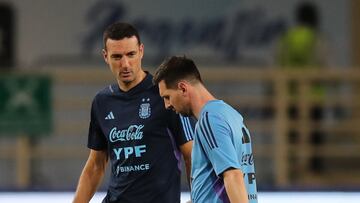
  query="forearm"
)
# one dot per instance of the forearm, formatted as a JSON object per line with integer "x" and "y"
{"x": 188, "y": 170}
{"x": 91, "y": 176}
{"x": 235, "y": 186}
{"x": 186, "y": 152}
{"x": 88, "y": 183}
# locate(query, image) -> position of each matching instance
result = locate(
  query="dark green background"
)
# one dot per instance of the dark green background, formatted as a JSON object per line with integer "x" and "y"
{"x": 34, "y": 121}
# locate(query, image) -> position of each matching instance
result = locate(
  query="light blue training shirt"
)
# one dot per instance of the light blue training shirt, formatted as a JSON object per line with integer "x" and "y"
{"x": 221, "y": 142}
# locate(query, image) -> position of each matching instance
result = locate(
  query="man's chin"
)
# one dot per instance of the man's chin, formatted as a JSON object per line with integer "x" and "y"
{"x": 126, "y": 80}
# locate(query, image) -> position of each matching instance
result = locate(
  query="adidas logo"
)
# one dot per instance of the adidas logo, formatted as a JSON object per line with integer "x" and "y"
{"x": 110, "y": 116}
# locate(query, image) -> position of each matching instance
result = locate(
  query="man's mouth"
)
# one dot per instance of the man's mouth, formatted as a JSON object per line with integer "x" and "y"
{"x": 125, "y": 74}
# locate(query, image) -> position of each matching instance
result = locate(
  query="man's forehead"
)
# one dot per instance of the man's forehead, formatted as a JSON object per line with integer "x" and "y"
{"x": 162, "y": 87}
{"x": 125, "y": 40}
{"x": 122, "y": 45}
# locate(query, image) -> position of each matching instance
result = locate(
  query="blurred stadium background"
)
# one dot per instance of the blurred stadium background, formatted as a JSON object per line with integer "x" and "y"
{"x": 51, "y": 68}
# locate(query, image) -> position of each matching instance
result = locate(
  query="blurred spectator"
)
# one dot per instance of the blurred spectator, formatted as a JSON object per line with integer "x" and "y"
{"x": 303, "y": 47}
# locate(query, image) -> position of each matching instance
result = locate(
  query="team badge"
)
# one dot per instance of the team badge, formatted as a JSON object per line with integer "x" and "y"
{"x": 145, "y": 109}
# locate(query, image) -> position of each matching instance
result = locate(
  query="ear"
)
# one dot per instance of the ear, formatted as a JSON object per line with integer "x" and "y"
{"x": 141, "y": 50}
{"x": 105, "y": 54}
{"x": 183, "y": 87}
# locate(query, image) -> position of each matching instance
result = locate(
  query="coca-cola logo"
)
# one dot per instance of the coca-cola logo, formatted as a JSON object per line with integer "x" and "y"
{"x": 133, "y": 132}
{"x": 247, "y": 159}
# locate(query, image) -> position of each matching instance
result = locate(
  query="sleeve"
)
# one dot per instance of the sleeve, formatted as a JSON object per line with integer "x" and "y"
{"x": 215, "y": 136}
{"x": 96, "y": 138}
{"x": 182, "y": 128}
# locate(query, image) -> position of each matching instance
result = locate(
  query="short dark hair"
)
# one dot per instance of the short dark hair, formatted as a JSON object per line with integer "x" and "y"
{"x": 177, "y": 68}
{"x": 307, "y": 13}
{"x": 118, "y": 31}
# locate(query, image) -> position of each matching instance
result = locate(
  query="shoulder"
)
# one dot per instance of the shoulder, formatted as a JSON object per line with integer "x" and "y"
{"x": 220, "y": 109}
{"x": 103, "y": 95}
{"x": 105, "y": 92}
{"x": 220, "y": 114}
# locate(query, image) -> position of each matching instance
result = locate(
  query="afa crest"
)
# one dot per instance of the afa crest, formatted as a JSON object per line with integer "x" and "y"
{"x": 145, "y": 109}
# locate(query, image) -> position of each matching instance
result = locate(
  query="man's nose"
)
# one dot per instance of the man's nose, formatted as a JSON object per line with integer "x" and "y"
{"x": 124, "y": 62}
{"x": 167, "y": 105}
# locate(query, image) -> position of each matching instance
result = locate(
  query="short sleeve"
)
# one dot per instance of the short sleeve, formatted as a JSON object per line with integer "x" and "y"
{"x": 182, "y": 128}
{"x": 216, "y": 139}
{"x": 96, "y": 138}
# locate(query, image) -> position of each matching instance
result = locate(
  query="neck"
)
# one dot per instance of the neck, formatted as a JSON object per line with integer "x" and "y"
{"x": 126, "y": 86}
{"x": 200, "y": 97}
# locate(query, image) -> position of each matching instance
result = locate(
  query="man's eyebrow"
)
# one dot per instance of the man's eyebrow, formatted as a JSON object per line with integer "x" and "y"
{"x": 116, "y": 55}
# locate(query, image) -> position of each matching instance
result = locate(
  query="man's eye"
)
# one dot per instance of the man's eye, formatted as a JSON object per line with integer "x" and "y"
{"x": 131, "y": 54}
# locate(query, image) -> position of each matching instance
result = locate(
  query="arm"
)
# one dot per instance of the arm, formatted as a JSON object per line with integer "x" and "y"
{"x": 183, "y": 128}
{"x": 91, "y": 176}
{"x": 235, "y": 186}
{"x": 186, "y": 152}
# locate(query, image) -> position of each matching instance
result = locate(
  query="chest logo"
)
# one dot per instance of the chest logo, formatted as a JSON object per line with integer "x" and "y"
{"x": 133, "y": 132}
{"x": 110, "y": 116}
{"x": 145, "y": 108}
